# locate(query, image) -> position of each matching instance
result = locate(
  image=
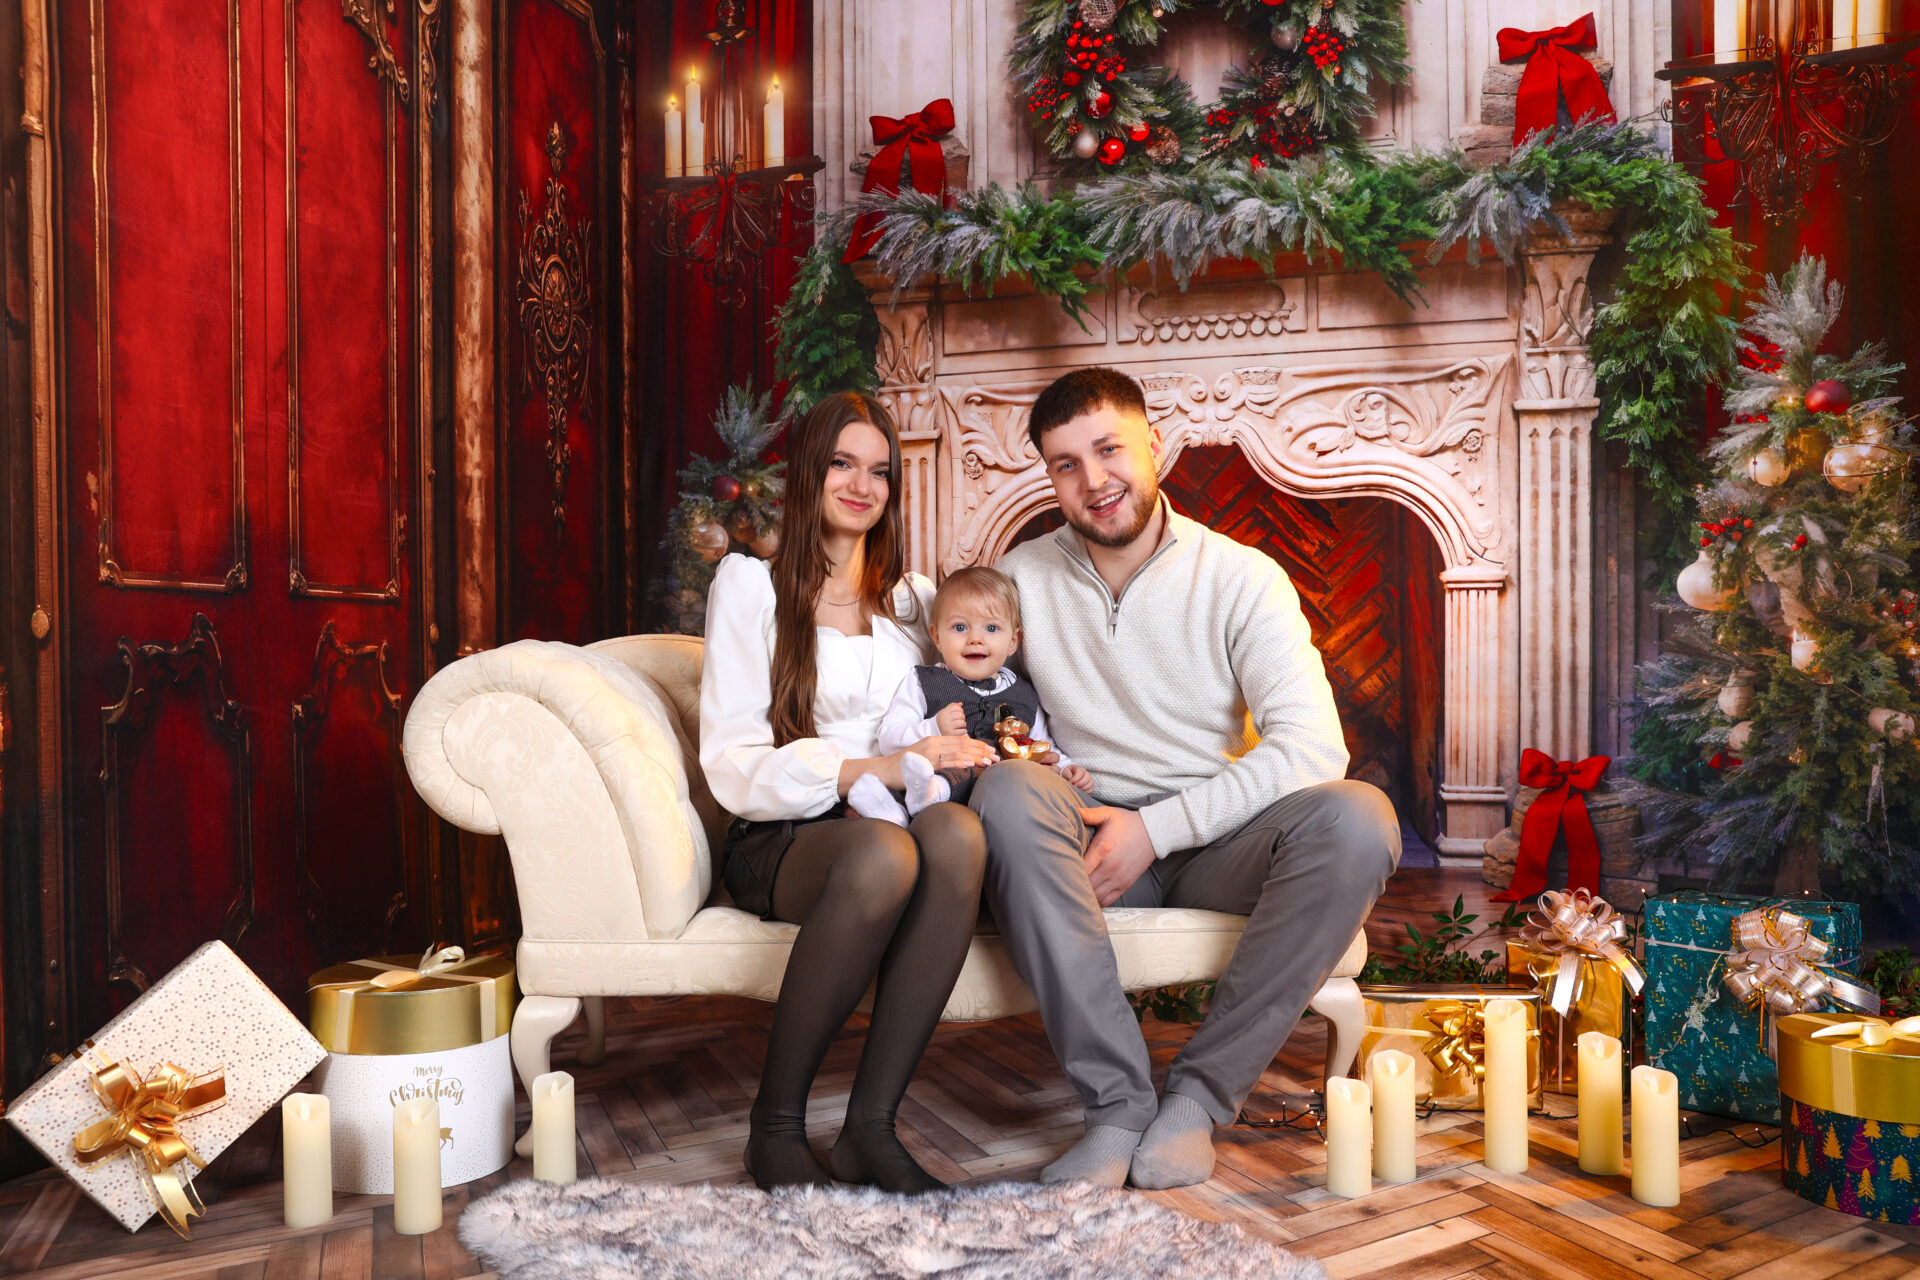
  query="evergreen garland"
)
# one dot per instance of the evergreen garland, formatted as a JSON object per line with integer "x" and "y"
{"x": 1658, "y": 339}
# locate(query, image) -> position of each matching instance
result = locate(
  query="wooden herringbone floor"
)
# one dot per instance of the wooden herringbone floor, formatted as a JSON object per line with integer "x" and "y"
{"x": 989, "y": 1103}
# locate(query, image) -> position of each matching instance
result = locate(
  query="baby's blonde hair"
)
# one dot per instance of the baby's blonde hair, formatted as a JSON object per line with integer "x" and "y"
{"x": 977, "y": 584}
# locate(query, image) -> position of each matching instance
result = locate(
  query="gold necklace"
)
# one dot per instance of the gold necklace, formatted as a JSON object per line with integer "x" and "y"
{"x": 839, "y": 604}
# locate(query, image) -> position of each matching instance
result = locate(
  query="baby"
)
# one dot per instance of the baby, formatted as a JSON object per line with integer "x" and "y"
{"x": 976, "y": 628}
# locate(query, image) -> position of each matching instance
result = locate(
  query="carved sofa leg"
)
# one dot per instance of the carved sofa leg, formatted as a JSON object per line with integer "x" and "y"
{"x": 535, "y": 1023}
{"x": 1338, "y": 1001}
{"x": 594, "y": 1051}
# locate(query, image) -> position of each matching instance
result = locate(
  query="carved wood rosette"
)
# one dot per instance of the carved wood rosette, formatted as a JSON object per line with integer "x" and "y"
{"x": 556, "y": 313}
{"x": 336, "y": 665}
{"x": 153, "y": 671}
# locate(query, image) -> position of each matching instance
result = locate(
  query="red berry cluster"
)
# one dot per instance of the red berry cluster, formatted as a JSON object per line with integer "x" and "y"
{"x": 1732, "y": 526}
{"x": 1084, "y": 51}
{"x": 1110, "y": 66}
{"x": 1903, "y": 609}
{"x": 1284, "y": 131}
{"x": 1324, "y": 47}
{"x": 1800, "y": 543}
{"x": 1046, "y": 97}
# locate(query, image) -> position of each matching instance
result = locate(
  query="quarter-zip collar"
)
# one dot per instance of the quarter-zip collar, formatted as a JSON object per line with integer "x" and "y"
{"x": 1076, "y": 550}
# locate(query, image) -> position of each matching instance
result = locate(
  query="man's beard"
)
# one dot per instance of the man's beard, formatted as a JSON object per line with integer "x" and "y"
{"x": 1144, "y": 503}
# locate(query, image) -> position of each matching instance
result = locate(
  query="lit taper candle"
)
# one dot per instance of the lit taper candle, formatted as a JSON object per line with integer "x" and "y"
{"x": 676, "y": 158}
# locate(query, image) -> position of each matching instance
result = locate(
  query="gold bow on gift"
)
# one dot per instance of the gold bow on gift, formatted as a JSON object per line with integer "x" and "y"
{"x": 1869, "y": 1033}
{"x": 1777, "y": 963}
{"x": 1460, "y": 1044}
{"x": 430, "y": 964}
{"x": 1577, "y": 927}
{"x": 145, "y": 1123}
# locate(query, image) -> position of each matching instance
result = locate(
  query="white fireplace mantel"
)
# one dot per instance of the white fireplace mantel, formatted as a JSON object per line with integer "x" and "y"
{"x": 1474, "y": 410}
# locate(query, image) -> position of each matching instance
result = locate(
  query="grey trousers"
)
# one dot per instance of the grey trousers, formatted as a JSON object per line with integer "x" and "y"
{"x": 1307, "y": 870}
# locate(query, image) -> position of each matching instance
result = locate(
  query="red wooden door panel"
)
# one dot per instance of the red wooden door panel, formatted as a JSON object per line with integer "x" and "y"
{"x": 555, "y": 266}
{"x": 239, "y": 264}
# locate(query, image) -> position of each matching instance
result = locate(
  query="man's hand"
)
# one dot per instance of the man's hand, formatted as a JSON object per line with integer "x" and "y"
{"x": 1119, "y": 853}
{"x": 1079, "y": 777}
{"x": 952, "y": 720}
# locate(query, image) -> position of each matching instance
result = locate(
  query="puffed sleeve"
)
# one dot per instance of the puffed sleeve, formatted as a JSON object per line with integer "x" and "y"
{"x": 913, "y": 601}
{"x": 750, "y": 777}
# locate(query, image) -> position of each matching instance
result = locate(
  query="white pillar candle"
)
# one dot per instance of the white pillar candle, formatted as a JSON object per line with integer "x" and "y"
{"x": 1349, "y": 1138}
{"x": 1503, "y": 1092}
{"x": 306, "y": 1152}
{"x": 1600, "y": 1105}
{"x": 776, "y": 127}
{"x": 1840, "y": 24}
{"x": 676, "y": 158}
{"x": 1870, "y": 21}
{"x": 416, "y": 1167}
{"x": 696, "y": 162}
{"x": 1391, "y": 1080}
{"x": 1729, "y": 26}
{"x": 553, "y": 1153}
{"x": 1656, "y": 1136}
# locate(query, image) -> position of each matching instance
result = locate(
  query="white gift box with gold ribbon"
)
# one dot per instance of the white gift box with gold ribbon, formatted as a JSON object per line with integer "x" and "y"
{"x": 399, "y": 1028}
{"x": 166, "y": 1086}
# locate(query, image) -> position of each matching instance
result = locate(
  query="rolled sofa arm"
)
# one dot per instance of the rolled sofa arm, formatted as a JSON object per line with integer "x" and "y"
{"x": 573, "y": 759}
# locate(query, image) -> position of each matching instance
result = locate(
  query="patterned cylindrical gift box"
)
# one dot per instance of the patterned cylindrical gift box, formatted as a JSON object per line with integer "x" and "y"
{"x": 1600, "y": 1003}
{"x": 399, "y": 1028}
{"x": 1439, "y": 1026}
{"x": 1850, "y": 1103}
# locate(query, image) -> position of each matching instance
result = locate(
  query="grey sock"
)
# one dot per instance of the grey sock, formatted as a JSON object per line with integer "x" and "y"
{"x": 1177, "y": 1149}
{"x": 869, "y": 797}
{"x": 1100, "y": 1158}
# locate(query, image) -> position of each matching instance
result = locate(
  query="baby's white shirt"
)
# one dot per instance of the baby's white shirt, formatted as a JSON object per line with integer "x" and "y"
{"x": 906, "y": 721}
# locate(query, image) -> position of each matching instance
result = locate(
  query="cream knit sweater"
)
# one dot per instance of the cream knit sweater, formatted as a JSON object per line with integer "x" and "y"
{"x": 1197, "y": 697}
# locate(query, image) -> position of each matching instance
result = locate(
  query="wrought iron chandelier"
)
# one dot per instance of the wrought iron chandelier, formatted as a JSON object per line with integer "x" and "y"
{"x": 729, "y": 192}
{"x": 1789, "y": 87}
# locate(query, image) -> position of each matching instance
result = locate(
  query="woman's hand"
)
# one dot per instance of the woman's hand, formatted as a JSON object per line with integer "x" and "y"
{"x": 946, "y": 751}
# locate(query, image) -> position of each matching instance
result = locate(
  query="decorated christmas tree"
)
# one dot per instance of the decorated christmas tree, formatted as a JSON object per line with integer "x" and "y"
{"x": 1785, "y": 698}
{"x": 726, "y": 504}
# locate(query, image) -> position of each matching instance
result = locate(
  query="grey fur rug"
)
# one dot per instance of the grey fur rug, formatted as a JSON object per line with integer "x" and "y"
{"x": 600, "y": 1230}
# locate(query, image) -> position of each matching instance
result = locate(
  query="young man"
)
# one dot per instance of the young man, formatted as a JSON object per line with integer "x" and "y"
{"x": 1176, "y": 666}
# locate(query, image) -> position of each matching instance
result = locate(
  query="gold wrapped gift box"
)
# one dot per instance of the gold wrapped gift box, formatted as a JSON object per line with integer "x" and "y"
{"x": 405, "y": 1004}
{"x": 1440, "y": 1026}
{"x": 1599, "y": 1004}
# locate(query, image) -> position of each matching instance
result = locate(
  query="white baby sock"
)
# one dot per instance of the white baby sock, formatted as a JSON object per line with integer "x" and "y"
{"x": 869, "y": 797}
{"x": 924, "y": 787}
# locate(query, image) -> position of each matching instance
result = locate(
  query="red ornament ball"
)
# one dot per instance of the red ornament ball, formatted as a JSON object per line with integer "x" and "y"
{"x": 1112, "y": 151}
{"x": 724, "y": 489}
{"x": 1070, "y": 78}
{"x": 1138, "y": 132}
{"x": 1100, "y": 104}
{"x": 1828, "y": 396}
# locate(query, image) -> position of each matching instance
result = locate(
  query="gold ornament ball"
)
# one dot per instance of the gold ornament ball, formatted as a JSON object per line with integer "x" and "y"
{"x": 1875, "y": 428}
{"x": 1805, "y": 448}
{"x": 1895, "y": 726}
{"x": 1768, "y": 468}
{"x": 1695, "y": 585}
{"x": 766, "y": 544}
{"x": 1852, "y": 467}
{"x": 1085, "y": 144}
{"x": 709, "y": 540}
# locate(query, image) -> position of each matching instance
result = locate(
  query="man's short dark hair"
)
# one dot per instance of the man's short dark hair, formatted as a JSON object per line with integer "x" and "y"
{"x": 1082, "y": 391}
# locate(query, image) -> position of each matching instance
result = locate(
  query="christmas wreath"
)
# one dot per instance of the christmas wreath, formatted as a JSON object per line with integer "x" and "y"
{"x": 1081, "y": 67}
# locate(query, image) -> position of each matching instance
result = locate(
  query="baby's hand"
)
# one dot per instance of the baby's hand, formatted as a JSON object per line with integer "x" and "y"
{"x": 952, "y": 720}
{"x": 1079, "y": 777}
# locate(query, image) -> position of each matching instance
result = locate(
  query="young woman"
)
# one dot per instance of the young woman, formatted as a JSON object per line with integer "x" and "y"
{"x": 803, "y": 655}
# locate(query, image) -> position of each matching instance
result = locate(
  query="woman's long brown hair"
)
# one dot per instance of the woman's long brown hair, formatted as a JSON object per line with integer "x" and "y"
{"x": 800, "y": 567}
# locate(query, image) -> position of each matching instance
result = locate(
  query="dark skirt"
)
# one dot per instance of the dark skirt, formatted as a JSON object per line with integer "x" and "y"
{"x": 754, "y": 852}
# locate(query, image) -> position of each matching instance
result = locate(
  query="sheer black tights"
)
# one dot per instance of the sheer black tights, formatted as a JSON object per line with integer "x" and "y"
{"x": 871, "y": 899}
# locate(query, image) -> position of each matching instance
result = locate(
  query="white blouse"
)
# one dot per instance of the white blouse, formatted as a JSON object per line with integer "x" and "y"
{"x": 857, "y": 677}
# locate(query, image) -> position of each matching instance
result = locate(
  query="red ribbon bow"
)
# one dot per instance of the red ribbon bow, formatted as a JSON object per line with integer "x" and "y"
{"x": 1561, "y": 804}
{"x": 1553, "y": 70}
{"x": 916, "y": 138}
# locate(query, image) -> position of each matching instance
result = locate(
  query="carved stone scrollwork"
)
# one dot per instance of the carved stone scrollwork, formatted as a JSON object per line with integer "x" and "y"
{"x": 556, "y": 314}
{"x": 1556, "y": 310}
{"x": 1233, "y": 312}
{"x": 381, "y": 61}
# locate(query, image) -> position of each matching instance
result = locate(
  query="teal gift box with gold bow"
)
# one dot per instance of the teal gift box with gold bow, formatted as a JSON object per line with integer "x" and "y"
{"x": 1721, "y": 970}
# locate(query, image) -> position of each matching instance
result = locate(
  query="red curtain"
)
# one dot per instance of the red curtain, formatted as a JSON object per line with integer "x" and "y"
{"x": 691, "y": 346}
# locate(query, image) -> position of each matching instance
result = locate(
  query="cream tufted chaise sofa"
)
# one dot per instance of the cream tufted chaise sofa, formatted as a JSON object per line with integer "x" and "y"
{"x": 586, "y": 761}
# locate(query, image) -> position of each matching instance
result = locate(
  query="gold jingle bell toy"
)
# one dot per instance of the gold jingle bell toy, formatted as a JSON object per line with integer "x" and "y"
{"x": 1016, "y": 740}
